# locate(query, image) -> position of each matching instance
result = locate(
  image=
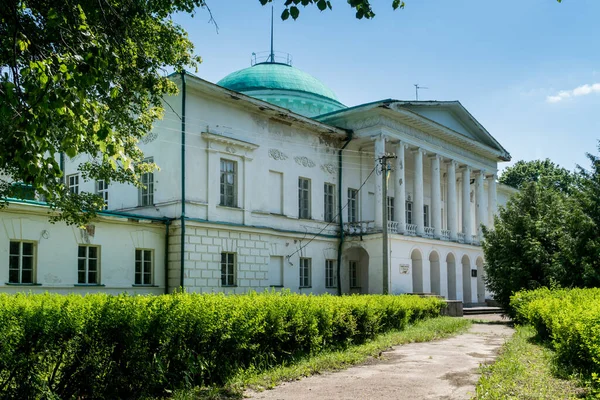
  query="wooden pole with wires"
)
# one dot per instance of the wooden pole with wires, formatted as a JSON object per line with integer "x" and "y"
{"x": 383, "y": 161}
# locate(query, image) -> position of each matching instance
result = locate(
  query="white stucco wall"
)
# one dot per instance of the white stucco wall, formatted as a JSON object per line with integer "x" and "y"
{"x": 56, "y": 248}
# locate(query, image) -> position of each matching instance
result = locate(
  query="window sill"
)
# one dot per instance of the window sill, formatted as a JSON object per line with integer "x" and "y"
{"x": 330, "y": 287}
{"x": 22, "y": 284}
{"x": 305, "y": 287}
{"x": 229, "y": 285}
{"x": 229, "y": 207}
{"x": 276, "y": 286}
{"x": 355, "y": 287}
{"x": 90, "y": 284}
{"x": 139, "y": 285}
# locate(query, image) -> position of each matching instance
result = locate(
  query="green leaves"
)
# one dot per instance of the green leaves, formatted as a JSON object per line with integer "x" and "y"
{"x": 64, "y": 93}
{"x": 146, "y": 346}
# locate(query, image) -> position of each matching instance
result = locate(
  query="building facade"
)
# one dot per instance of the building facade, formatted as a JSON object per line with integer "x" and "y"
{"x": 251, "y": 195}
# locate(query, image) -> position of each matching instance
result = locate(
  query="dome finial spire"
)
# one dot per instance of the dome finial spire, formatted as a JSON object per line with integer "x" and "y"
{"x": 272, "y": 55}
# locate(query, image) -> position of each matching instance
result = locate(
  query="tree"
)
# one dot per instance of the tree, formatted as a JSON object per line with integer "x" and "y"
{"x": 531, "y": 244}
{"x": 543, "y": 171}
{"x": 83, "y": 77}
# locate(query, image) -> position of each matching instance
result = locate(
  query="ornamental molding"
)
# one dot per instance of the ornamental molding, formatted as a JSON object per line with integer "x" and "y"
{"x": 276, "y": 154}
{"x": 329, "y": 168}
{"x": 150, "y": 137}
{"x": 304, "y": 161}
{"x": 378, "y": 121}
{"x": 229, "y": 142}
{"x": 230, "y": 149}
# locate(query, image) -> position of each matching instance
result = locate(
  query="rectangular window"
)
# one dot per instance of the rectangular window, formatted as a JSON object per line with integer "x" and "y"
{"x": 329, "y": 202}
{"x": 275, "y": 192}
{"x": 88, "y": 265}
{"x": 305, "y": 273}
{"x": 409, "y": 205}
{"x": 227, "y": 269}
{"x": 228, "y": 183}
{"x": 21, "y": 260}
{"x": 390, "y": 208}
{"x": 276, "y": 271}
{"x": 330, "y": 273}
{"x": 426, "y": 215}
{"x": 102, "y": 191}
{"x": 147, "y": 189}
{"x": 303, "y": 198}
{"x": 352, "y": 205}
{"x": 354, "y": 274}
{"x": 143, "y": 267}
{"x": 73, "y": 182}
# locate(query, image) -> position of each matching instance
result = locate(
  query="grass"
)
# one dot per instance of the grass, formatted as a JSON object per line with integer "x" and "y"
{"x": 525, "y": 370}
{"x": 431, "y": 329}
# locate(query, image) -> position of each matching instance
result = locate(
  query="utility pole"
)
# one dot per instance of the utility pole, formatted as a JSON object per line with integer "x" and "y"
{"x": 383, "y": 162}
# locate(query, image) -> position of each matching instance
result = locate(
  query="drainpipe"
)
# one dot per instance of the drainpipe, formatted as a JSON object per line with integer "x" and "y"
{"x": 340, "y": 215}
{"x": 182, "y": 177}
{"x": 167, "y": 223}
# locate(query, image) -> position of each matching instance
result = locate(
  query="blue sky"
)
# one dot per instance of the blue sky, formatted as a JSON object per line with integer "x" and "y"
{"x": 525, "y": 69}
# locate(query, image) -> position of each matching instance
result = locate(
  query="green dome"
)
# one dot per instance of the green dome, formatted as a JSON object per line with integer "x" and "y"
{"x": 284, "y": 86}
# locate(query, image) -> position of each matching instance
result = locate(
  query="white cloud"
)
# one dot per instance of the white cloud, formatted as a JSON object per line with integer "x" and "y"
{"x": 582, "y": 90}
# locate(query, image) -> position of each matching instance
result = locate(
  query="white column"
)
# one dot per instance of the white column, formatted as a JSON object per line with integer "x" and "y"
{"x": 452, "y": 207}
{"x": 492, "y": 200}
{"x": 379, "y": 151}
{"x": 418, "y": 191}
{"x": 466, "y": 204}
{"x": 400, "y": 189}
{"x": 481, "y": 211}
{"x": 436, "y": 197}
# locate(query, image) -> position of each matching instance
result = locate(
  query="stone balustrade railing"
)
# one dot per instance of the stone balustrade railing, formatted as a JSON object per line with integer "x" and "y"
{"x": 411, "y": 229}
{"x": 393, "y": 226}
{"x": 360, "y": 227}
{"x": 445, "y": 234}
{"x": 461, "y": 237}
{"x": 429, "y": 231}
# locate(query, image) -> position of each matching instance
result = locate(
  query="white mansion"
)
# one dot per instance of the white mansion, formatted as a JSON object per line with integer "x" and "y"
{"x": 267, "y": 180}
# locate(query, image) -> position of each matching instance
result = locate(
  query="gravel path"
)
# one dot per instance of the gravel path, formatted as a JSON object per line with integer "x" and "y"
{"x": 443, "y": 369}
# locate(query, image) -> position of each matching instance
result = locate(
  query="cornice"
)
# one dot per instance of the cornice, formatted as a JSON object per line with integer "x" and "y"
{"x": 229, "y": 141}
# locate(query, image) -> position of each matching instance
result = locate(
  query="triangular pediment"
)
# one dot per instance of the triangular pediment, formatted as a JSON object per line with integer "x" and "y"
{"x": 454, "y": 116}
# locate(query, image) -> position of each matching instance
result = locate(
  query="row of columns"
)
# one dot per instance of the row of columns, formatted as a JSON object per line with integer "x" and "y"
{"x": 485, "y": 206}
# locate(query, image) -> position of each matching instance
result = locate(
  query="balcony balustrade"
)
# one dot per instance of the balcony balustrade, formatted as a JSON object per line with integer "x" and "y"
{"x": 411, "y": 229}
{"x": 445, "y": 234}
{"x": 461, "y": 237}
{"x": 429, "y": 231}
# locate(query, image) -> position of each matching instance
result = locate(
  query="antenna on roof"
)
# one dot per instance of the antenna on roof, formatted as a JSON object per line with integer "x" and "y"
{"x": 417, "y": 87}
{"x": 272, "y": 55}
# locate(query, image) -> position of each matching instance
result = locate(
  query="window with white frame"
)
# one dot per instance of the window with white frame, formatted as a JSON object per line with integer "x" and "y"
{"x": 329, "y": 202}
{"x": 305, "y": 272}
{"x": 228, "y": 269}
{"x": 354, "y": 274}
{"x": 228, "y": 183}
{"x": 147, "y": 189}
{"x": 143, "y": 266}
{"x": 409, "y": 205}
{"x": 390, "y": 208}
{"x": 426, "y": 215}
{"x": 21, "y": 262}
{"x": 303, "y": 198}
{"x": 88, "y": 265}
{"x": 73, "y": 183}
{"x": 102, "y": 191}
{"x": 352, "y": 205}
{"x": 330, "y": 273}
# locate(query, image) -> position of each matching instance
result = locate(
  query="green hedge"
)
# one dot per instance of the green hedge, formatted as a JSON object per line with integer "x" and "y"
{"x": 102, "y": 346}
{"x": 569, "y": 319}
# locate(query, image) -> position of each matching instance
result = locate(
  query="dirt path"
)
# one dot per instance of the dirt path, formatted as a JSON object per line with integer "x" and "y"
{"x": 444, "y": 369}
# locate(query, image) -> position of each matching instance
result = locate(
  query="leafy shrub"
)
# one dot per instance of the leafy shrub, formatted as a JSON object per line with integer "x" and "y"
{"x": 569, "y": 319}
{"x": 102, "y": 346}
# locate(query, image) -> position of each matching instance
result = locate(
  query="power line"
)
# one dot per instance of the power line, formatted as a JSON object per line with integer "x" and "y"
{"x": 334, "y": 218}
